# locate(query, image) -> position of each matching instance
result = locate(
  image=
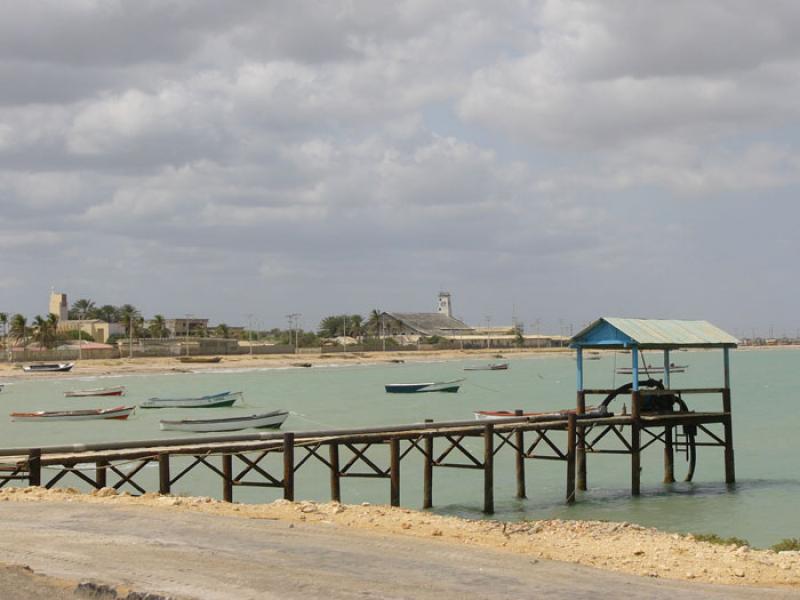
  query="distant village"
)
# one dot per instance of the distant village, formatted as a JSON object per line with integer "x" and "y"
{"x": 86, "y": 330}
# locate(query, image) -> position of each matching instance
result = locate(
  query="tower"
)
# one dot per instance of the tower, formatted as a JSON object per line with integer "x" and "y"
{"x": 445, "y": 306}
{"x": 58, "y": 306}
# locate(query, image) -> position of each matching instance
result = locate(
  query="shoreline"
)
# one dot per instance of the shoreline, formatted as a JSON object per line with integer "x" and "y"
{"x": 609, "y": 546}
{"x": 100, "y": 367}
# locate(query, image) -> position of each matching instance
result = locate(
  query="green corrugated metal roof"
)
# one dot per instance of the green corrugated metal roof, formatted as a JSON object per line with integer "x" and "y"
{"x": 653, "y": 333}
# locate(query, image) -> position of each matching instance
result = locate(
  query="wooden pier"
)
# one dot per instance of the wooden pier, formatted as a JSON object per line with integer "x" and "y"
{"x": 570, "y": 437}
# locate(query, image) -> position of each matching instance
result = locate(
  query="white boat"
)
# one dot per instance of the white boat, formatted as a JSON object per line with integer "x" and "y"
{"x": 48, "y": 368}
{"x": 109, "y": 391}
{"x": 270, "y": 420}
{"x": 417, "y": 388}
{"x": 119, "y": 413}
{"x": 212, "y": 401}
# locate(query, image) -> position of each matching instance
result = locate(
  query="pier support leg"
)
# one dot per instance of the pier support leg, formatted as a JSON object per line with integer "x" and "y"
{"x": 571, "y": 455}
{"x": 427, "y": 481}
{"x": 227, "y": 477}
{"x": 100, "y": 471}
{"x": 669, "y": 456}
{"x": 163, "y": 473}
{"x": 581, "y": 448}
{"x": 394, "y": 472}
{"x": 730, "y": 469}
{"x": 35, "y": 467}
{"x": 636, "y": 444}
{"x": 336, "y": 490}
{"x": 488, "y": 468}
{"x": 288, "y": 466}
{"x": 519, "y": 441}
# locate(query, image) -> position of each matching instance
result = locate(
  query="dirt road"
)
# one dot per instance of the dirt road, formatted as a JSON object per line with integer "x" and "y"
{"x": 194, "y": 555}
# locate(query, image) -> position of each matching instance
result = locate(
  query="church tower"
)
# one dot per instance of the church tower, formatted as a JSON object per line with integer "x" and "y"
{"x": 58, "y": 306}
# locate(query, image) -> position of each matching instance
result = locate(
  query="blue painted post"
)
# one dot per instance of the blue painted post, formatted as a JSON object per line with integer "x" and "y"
{"x": 635, "y": 367}
{"x": 579, "y": 359}
{"x": 730, "y": 470}
{"x": 726, "y": 362}
{"x": 669, "y": 452}
{"x": 666, "y": 369}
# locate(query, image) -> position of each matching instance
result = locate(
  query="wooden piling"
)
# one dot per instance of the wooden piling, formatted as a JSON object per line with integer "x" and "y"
{"x": 581, "y": 448}
{"x": 488, "y": 468}
{"x": 163, "y": 473}
{"x": 288, "y": 466}
{"x": 35, "y": 467}
{"x": 636, "y": 469}
{"x": 333, "y": 458}
{"x": 519, "y": 440}
{"x": 227, "y": 477}
{"x": 394, "y": 471}
{"x": 669, "y": 456}
{"x": 730, "y": 469}
{"x": 101, "y": 469}
{"x": 571, "y": 455}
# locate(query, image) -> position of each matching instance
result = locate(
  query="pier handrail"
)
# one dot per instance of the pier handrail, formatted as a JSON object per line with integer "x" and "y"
{"x": 657, "y": 392}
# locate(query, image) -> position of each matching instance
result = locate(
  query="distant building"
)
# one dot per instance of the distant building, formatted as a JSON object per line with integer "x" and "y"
{"x": 414, "y": 325}
{"x": 187, "y": 327}
{"x": 98, "y": 329}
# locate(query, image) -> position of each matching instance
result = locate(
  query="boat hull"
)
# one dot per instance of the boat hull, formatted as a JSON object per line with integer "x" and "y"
{"x": 54, "y": 368}
{"x": 272, "y": 420}
{"x": 200, "y": 359}
{"x": 216, "y": 401}
{"x": 420, "y": 388}
{"x": 494, "y": 367}
{"x": 119, "y": 413}
{"x": 117, "y": 391}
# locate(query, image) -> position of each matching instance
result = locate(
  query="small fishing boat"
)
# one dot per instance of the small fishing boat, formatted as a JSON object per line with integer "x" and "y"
{"x": 302, "y": 365}
{"x": 591, "y": 411}
{"x": 645, "y": 370}
{"x": 418, "y": 388}
{"x": 48, "y": 367}
{"x": 489, "y": 367}
{"x": 199, "y": 359}
{"x": 109, "y": 391}
{"x": 270, "y": 420}
{"x": 119, "y": 413}
{"x": 211, "y": 401}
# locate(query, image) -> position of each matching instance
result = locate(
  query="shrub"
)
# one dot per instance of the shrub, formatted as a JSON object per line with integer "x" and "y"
{"x": 787, "y": 544}
{"x": 713, "y": 538}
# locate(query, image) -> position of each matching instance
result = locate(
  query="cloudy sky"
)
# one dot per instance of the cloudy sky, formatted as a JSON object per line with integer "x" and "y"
{"x": 563, "y": 159}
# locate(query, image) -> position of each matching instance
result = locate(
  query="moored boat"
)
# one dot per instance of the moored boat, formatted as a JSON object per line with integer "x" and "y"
{"x": 119, "y": 413}
{"x": 211, "y": 401}
{"x": 591, "y": 411}
{"x": 199, "y": 359}
{"x": 644, "y": 370}
{"x": 270, "y": 420}
{"x": 109, "y": 391}
{"x": 417, "y": 388}
{"x": 489, "y": 367}
{"x": 48, "y": 367}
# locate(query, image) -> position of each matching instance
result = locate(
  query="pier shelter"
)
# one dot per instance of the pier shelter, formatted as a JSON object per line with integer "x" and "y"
{"x": 658, "y": 409}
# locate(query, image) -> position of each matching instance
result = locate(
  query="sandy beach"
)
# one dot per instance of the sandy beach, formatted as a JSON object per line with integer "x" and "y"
{"x": 168, "y": 364}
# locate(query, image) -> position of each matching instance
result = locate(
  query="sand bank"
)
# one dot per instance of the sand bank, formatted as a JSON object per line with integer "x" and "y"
{"x": 621, "y": 547}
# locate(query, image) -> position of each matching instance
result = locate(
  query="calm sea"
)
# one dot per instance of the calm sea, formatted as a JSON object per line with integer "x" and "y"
{"x": 763, "y": 507}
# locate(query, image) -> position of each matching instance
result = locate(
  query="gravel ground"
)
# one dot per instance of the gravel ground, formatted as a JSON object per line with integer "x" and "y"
{"x": 170, "y": 549}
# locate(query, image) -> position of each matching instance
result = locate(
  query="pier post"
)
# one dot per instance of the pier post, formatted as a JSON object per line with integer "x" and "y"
{"x": 730, "y": 470}
{"x": 101, "y": 468}
{"x": 35, "y": 467}
{"x": 581, "y": 448}
{"x": 336, "y": 490}
{"x": 427, "y": 474}
{"x": 488, "y": 468}
{"x": 519, "y": 440}
{"x": 636, "y": 468}
{"x": 571, "y": 435}
{"x": 163, "y": 473}
{"x": 394, "y": 471}
{"x": 227, "y": 477}
{"x": 669, "y": 456}
{"x": 288, "y": 466}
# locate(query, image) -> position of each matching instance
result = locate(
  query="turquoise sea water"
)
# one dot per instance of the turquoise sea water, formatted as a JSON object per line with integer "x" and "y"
{"x": 762, "y": 507}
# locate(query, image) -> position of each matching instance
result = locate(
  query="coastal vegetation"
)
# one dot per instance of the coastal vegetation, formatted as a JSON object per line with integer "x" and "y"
{"x": 713, "y": 538}
{"x": 787, "y": 545}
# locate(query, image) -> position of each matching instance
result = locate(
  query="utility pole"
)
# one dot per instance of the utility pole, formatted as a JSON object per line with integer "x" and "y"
{"x": 80, "y": 334}
{"x": 250, "y": 331}
{"x": 293, "y": 317}
{"x": 383, "y": 331}
{"x": 488, "y": 333}
{"x": 344, "y": 333}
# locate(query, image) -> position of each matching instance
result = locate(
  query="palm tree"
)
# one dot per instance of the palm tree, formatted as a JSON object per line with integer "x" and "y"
{"x": 374, "y": 322}
{"x": 4, "y": 323}
{"x": 158, "y": 327}
{"x": 107, "y": 313}
{"x": 81, "y": 309}
{"x": 19, "y": 329}
{"x": 222, "y": 330}
{"x": 44, "y": 330}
